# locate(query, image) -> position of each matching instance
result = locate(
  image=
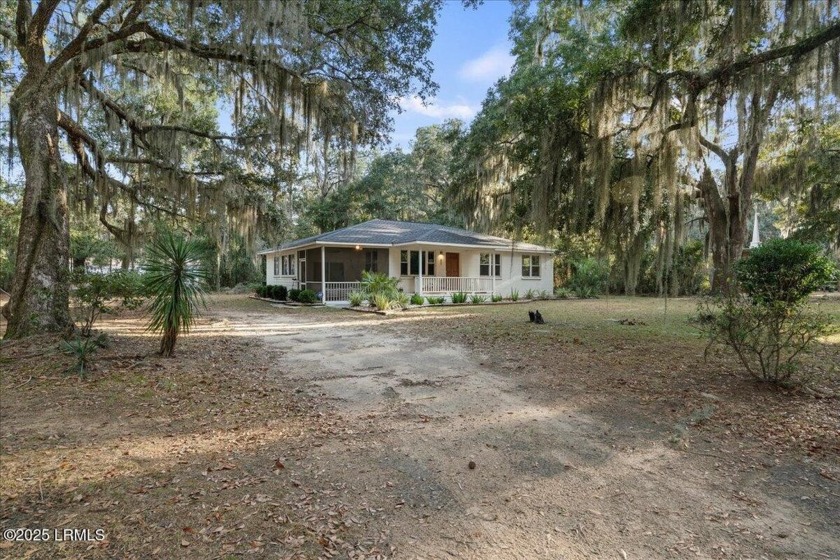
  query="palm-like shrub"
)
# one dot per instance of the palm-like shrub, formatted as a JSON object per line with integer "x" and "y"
{"x": 401, "y": 300}
{"x": 175, "y": 281}
{"x": 382, "y": 302}
{"x": 356, "y": 299}
{"x": 459, "y": 297}
{"x": 374, "y": 283}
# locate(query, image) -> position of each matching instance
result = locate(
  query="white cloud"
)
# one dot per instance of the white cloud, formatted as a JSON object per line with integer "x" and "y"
{"x": 488, "y": 67}
{"x": 435, "y": 109}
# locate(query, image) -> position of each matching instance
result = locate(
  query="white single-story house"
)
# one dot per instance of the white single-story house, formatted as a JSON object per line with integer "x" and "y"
{"x": 428, "y": 259}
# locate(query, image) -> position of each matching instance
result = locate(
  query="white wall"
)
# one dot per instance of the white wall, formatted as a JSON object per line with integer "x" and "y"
{"x": 511, "y": 269}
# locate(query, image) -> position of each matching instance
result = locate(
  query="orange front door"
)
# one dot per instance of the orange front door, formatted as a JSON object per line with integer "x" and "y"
{"x": 453, "y": 264}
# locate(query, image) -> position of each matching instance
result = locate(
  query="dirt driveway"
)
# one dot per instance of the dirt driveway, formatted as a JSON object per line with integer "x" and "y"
{"x": 454, "y": 456}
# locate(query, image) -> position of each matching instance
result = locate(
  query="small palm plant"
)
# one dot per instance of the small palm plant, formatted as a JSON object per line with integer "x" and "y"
{"x": 175, "y": 281}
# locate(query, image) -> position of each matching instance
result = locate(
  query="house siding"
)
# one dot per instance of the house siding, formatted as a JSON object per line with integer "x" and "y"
{"x": 345, "y": 264}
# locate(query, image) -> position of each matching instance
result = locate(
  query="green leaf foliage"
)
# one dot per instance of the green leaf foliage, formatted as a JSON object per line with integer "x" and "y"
{"x": 784, "y": 271}
{"x": 175, "y": 281}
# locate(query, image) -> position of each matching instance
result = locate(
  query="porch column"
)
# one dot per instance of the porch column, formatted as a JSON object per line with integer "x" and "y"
{"x": 323, "y": 274}
{"x": 493, "y": 272}
{"x": 420, "y": 277}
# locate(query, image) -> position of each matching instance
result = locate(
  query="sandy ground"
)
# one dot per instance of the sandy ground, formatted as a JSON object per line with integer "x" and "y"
{"x": 549, "y": 479}
{"x": 460, "y": 432}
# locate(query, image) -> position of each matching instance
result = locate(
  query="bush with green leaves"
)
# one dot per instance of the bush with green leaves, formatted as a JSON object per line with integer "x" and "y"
{"x": 175, "y": 280}
{"x": 435, "y": 300}
{"x": 307, "y": 296}
{"x": 294, "y": 294}
{"x": 477, "y": 298}
{"x": 459, "y": 297}
{"x": 784, "y": 270}
{"x": 94, "y": 294}
{"x": 496, "y": 298}
{"x": 530, "y": 294}
{"x": 416, "y": 299}
{"x": 768, "y": 323}
{"x": 356, "y": 298}
{"x": 514, "y": 295}
{"x": 562, "y": 293}
{"x": 544, "y": 294}
{"x": 277, "y": 292}
{"x": 589, "y": 278}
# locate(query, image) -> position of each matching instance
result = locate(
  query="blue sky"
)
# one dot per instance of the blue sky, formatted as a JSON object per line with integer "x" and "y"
{"x": 471, "y": 51}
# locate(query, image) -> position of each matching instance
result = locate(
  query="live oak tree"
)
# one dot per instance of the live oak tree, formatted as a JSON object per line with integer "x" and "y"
{"x": 619, "y": 115}
{"x": 319, "y": 72}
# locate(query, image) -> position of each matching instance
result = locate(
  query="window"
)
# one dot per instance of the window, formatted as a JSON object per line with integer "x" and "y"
{"x": 287, "y": 265}
{"x": 484, "y": 266}
{"x": 410, "y": 263}
{"x": 371, "y": 258}
{"x": 530, "y": 266}
{"x": 276, "y": 266}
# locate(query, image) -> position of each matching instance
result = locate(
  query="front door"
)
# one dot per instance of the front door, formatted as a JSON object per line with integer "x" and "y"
{"x": 453, "y": 267}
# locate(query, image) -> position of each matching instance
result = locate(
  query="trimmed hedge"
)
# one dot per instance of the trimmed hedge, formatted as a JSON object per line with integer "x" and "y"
{"x": 307, "y": 296}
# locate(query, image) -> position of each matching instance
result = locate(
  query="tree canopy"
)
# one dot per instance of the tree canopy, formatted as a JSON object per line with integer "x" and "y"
{"x": 620, "y": 116}
{"x": 134, "y": 90}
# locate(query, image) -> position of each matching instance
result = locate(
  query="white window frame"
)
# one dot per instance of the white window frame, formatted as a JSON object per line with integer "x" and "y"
{"x": 495, "y": 268}
{"x": 407, "y": 254}
{"x": 288, "y": 265}
{"x": 276, "y": 265}
{"x": 528, "y": 269}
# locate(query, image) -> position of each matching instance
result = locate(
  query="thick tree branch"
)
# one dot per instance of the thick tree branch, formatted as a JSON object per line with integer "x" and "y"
{"x": 78, "y": 134}
{"x": 697, "y": 82}
{"x": 715, "y": 149}
{"x": 22, "y": 17}
{"x": 41, "y": 18}
{"x": 74, "y": 47}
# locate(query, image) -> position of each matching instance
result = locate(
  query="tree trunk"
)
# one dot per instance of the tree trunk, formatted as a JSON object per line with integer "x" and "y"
{"x": 40, "y": 288}
{"x": 716, "y": 214}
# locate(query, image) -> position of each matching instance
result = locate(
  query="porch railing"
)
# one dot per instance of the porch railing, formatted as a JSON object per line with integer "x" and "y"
{"x": 450, "y": 284}
{"x": 340, "y": 291}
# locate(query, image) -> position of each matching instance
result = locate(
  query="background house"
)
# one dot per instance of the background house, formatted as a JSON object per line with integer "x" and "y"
{"x": 428, "y": 259}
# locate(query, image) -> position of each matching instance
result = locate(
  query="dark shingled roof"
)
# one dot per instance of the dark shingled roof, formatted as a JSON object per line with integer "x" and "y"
{"x": 388, "y": 232}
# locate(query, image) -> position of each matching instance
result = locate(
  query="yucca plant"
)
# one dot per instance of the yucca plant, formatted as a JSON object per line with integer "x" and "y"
{"x": 356, "y": 298}
{"x": 175, "y": 281}
{"x": 82, "y": 349}
{"x": 514, "y": 295}
{"x": 477, "y": 298}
